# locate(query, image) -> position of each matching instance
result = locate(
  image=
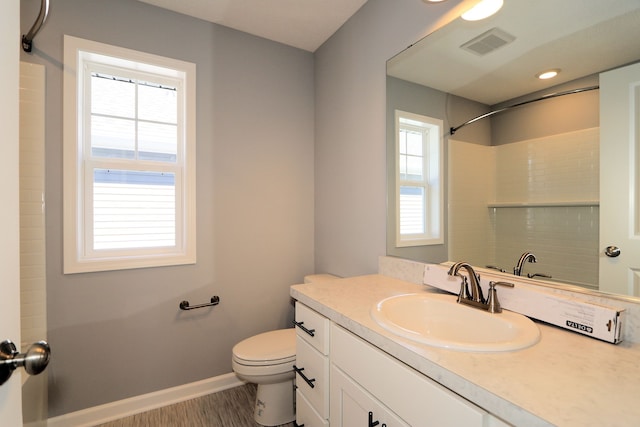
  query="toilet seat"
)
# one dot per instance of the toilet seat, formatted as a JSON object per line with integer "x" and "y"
{"x": 269, "y": 348}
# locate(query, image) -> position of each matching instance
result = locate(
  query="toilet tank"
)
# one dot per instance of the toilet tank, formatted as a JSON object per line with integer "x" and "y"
{"x": 312, "y": 278}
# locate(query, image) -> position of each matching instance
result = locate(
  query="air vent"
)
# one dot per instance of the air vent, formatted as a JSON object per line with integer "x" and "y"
{"x": 488, "y": 41}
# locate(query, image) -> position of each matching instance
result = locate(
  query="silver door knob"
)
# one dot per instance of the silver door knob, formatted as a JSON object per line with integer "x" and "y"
{"x": 34, "y": 361}
{"x": 612, "y": 251}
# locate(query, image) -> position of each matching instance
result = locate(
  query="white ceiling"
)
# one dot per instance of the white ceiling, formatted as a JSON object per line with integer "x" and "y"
{"x": 304, "y": 24}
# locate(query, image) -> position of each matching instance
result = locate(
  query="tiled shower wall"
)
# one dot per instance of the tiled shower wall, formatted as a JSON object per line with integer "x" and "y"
{"x": 32, "y": 234}
{"x": 33, "y": 298}
{"x": 559, "y": 168}
{"x": 471, "y": 187}
{"x": 546, "y": 202}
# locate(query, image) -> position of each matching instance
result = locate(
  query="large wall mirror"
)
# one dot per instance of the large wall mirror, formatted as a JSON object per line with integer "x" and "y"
{"x": 536, "y": 178}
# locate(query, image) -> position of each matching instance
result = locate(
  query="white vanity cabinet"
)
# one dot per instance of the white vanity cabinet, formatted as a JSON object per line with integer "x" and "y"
{"x": 356, "y": 384}
{"x": 312, "y": 368}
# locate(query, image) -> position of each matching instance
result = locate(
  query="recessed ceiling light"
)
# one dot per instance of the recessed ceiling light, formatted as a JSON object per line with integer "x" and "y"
{"x": 433, "y": 1}
{"x": 482, "y": 10}
{"x": 549, "y": 74}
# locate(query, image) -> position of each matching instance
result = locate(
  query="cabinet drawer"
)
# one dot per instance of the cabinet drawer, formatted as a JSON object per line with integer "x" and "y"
{"x": 419, "y": 400}
{"x": 313, "y": 327}
{"x": 315, "y": 367}
{"x": 306, "y": 415}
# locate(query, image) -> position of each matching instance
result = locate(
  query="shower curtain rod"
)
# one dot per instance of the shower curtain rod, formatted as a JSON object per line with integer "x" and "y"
{"x": 27, "y": 40}
{"x": 453, "y": 130}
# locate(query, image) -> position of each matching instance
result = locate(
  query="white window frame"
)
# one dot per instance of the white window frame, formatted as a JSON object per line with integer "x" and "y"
{"x": 80, "y": 58}
{"x": 432, "y": 182}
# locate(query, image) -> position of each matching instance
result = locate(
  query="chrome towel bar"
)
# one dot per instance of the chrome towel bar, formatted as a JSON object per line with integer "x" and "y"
{"x": 215, "y": 300}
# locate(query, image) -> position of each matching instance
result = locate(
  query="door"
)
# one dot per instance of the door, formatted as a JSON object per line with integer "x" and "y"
{"x": 10, "y": 392}
{"x": 620, "y": 169}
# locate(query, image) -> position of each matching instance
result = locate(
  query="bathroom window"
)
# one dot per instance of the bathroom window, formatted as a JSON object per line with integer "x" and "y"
{"x": 419, "y": 193}
{"x": 129, "y": 159}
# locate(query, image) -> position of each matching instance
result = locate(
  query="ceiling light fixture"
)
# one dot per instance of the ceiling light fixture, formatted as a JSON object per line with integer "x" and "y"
{"x": 433, "y": 1}
{"x": 482, "y": 10}
{"x": 549, "y": 74}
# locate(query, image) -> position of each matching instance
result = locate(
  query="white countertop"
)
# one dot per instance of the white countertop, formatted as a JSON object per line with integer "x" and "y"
{"x": 565, "y": 380}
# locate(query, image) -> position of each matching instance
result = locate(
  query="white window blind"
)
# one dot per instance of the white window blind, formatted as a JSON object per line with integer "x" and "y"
{"x": 133, "y": 210}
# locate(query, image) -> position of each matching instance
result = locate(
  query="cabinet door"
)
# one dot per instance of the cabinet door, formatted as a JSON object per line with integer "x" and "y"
{"x": 352, "y": 406}
{"x": 306, "y": 415}
{"x": 420, "y": 401}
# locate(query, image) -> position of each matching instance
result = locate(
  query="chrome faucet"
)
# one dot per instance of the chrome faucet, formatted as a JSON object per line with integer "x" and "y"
{"x": 474, "y": 281}
{"x": 475, "y": 297}
{"x": 527, "y": 256}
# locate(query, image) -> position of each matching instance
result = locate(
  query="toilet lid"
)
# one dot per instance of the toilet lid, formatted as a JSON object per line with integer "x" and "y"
{"x": 274, "y": 346}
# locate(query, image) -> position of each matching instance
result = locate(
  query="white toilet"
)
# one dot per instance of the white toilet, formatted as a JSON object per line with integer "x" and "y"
{"x": 267, "y": 360}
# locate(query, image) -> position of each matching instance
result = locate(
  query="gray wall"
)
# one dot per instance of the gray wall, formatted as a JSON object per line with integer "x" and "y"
{"x": 350, "y": 151}
{"x": 120, "y": 334}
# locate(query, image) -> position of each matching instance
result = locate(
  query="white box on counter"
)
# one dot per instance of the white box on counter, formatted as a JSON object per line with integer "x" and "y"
{"x": 593, "y": 320}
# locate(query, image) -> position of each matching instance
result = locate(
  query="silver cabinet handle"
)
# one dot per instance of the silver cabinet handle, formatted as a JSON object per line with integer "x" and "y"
{"x": 34, "y": 361}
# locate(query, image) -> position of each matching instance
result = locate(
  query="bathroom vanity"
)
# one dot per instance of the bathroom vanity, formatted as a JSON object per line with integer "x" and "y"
{"x": 354, "y": 372}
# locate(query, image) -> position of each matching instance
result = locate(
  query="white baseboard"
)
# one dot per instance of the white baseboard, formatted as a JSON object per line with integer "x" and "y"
{"x": 135, "y": 405}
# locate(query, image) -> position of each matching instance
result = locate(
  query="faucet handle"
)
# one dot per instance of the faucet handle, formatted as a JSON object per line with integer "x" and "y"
{"x": 464, "y": 288}
{"x": 493, "y": 305}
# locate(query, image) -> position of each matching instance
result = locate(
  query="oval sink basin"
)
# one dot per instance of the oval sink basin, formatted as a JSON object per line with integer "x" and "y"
{"x": 438, "y": 320}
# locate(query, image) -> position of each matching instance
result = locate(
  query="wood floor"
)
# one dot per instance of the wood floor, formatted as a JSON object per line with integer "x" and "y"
{"x": 228, "y": 408}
